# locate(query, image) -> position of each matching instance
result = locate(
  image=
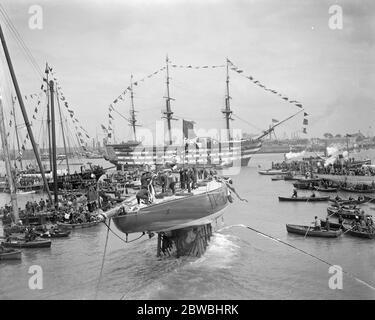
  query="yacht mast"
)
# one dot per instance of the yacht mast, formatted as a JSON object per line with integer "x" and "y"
{"x": 227, "y": 111}
{"x": 8, "y": 167}
{"x": 53, "y": 134}
{"x": 24, "y": 113}
{"x": 48, "y": 120}
{"x": 168, "y": 113}
{"x": 15, "y": 127}
{"x": 133, "y": 120}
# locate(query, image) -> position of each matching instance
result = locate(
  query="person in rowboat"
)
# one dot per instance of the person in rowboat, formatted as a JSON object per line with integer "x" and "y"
{"x": 294, "y": 195}
{"x": 317, "y": 225}
{"x": 312, "y": 195}
{"x": 327, "y": 224}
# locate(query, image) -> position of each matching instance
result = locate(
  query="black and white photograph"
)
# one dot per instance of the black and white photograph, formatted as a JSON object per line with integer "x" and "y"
{"x": 191, "y": 150}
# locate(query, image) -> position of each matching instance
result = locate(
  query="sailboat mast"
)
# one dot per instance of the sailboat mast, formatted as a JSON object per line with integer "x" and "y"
{"x": 48, "y": 121}
{"x": 8, "y": 167}
{"x": 24, "y": 113}
{"x": 15, "y": 127}
{"x": 133, "y": 120}
{"x": 62, "y": 131}
{"x": 227, "y": 111}
{"x": 168, "y": 113}
{"x": 53, "y": 133}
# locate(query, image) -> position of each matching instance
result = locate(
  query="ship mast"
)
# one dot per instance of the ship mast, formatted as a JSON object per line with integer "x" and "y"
{"x": 53, "y": 134}
{"x": 168, "y": 113}
{"x": 132, "y": 120}
{"x": 48, "y": 120}
{"x": 62, "y": 131}
{"x": 15, "y": 127}
{"x": 24, "y": 113}
{"x": 8, "y": 167}
{"x": 227, "y": 111}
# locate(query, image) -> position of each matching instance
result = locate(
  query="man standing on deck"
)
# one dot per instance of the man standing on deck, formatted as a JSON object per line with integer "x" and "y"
{"x": 317, "y": 225}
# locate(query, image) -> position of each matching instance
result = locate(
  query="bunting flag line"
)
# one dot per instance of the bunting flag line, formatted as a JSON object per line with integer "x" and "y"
{"x": 258, "y": 83}
{"x": 196, "y": 67}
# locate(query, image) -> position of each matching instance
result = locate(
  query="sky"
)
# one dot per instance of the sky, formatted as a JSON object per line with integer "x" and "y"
{"x": 95, "y": 46}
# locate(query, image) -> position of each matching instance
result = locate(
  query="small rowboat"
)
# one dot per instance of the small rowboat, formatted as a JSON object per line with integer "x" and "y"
{"x": 357, "y": 190}
{"x": 9, "y": 254}
{"x": 346, "y": 202}
{"x": 359, "y": 234}
{"x": 323, "y": 189}
{"x": 54, "y": 234}
{"x": 345, "y": 213}
{"x": 310, "y": 232}
{"x": 304, "y": 199}
{"x": 21, "y": 192}
{"x": 271, "y": 172}
{"x": 21, "y": 243}
{"x": 71, "y": 226}
{"x": 332, "y": 225}
{"x": 277, "y": 178}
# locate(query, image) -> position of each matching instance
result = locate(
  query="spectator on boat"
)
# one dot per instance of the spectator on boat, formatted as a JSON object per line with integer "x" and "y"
{"x": 294, "y": 195}
{"x": 142, "y": 194}
{"x": 172, "y": 183}
{"x": 327, "y": 224}
{"x": 317, "y": 224}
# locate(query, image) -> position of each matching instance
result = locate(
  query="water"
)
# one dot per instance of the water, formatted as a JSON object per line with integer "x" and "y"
{"x": 239, "y": 263}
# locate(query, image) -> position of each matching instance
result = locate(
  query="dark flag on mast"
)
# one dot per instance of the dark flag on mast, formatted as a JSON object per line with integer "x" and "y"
{"x": 188, "y": 129}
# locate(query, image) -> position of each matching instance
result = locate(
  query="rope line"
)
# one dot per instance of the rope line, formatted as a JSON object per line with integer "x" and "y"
{"x": 103, "y": 259}
{"x": 304, "y": 252}
{"x": 123, "y": 240}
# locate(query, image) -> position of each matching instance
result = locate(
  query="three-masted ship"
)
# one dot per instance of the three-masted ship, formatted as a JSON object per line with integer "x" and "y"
{"x": 200, "y": 151}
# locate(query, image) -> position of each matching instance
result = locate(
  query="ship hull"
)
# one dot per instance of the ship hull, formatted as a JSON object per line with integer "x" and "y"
{"x": 236, "y": 153}
{"x": 176, "y": 214}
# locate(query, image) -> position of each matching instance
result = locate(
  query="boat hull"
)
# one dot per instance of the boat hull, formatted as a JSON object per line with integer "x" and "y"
{"x": 310, "y": 232}
{"x": 71, "y": 226}
{"x": 10, "y": 255}
{"x": 28, "y": 244}
{"x": 175, "y": 214}
{"x": 304, "y": 199}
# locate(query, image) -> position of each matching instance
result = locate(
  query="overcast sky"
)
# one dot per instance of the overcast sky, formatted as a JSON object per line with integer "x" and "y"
{"x": 94, "y": 47}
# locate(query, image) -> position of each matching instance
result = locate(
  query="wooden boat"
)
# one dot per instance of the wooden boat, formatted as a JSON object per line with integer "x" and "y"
{"x": 277, "y": 178}
{"x": 323, "y": 189}
{"x": 22, "y": 243}
{"x": 22, "y": 192}
{"x": 357, "y": 190}
{"x": 356, "y": 233}
{"x": 310, "y": 232}
{"x": 9, "y": 254}
{"x": 71, "y": 226}
{"x": 332, "y": 225}
{"x": 272, "y": 172}
{"x": 345, "y": 213}
{"x": 54, "y": 234}
{"x": 182, "y": 210}
{"x": 303, "y": 186}
{"x": 304, "y": 199}
{"x": 348, "y": 202}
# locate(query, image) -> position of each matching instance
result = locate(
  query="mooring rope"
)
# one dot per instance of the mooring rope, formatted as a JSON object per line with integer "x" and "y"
{"x": 123, "y": 240}
{"x": 303, "y": 251}
{"x": 103, "y": 259}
